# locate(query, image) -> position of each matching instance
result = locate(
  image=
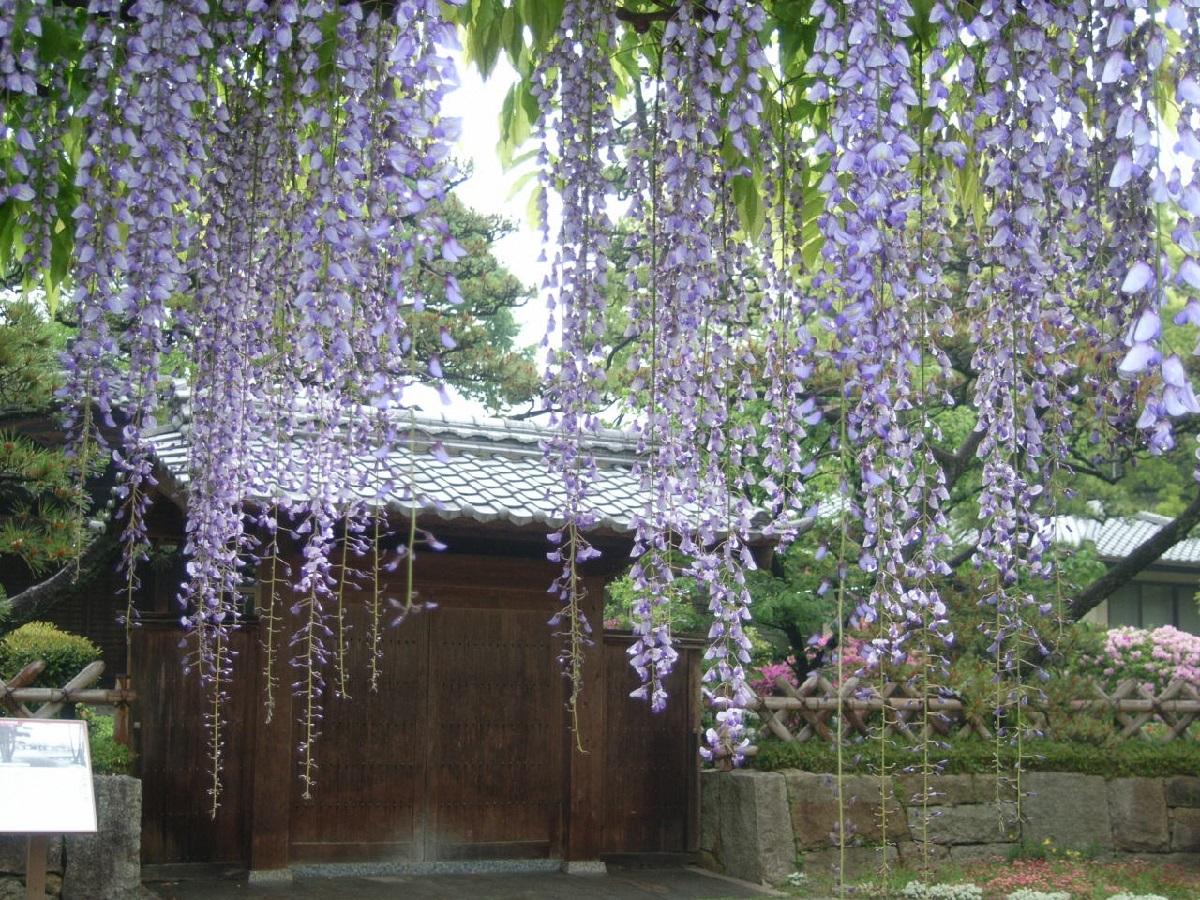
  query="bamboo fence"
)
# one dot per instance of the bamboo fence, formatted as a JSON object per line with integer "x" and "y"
{"x": 807, "y": 712}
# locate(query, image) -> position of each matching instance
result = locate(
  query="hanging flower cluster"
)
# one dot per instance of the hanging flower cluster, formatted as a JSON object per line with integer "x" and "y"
{"x": 576, "y": 96}
{"x": 1136, "y": 72}
{"x": 688, "y": 279}
{"x": 991, "y": 124}
{"x": 257, "y": 186}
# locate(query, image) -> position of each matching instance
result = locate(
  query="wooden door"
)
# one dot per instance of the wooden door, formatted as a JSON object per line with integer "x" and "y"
{"x": 173, "y": 750}
{"x": 459, "y": 754}
{"x": 651, "y": 762}
{"x": 370, "y": 781}
{"x": 495, "y": 737}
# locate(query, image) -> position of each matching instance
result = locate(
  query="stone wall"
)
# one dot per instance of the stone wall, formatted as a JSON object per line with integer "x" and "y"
{"x": 102, "y": 866}
{"x": 760, "y": 826}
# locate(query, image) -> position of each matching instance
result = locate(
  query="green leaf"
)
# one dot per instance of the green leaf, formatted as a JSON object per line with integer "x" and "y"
{"x": 484, "y": 35}
{"x": 517, "y": 115}
{"x": 541, "y": 17}
{"x": 747, "y": 198}
{"x": 512, "y": 33}
{"x": 533, "y": 211}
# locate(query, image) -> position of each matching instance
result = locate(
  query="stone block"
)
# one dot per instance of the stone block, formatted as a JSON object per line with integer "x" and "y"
{"x": 108, "y": 863}
{"x": 952, "y": 790}
{"x": 814, "y": 808}
{"x": 710, "y": 807}
{"x": 1137, "y": 808}
{"x": 973, "y": 823}
{"x": 12, "y": 887}
{"x": 913, "y": 855}
{"x": 1183, "y": 790}
{"x": 1068, "y": 808}
{"x": 977, "y": 852}
{"x": 1185, "y": 830}
{"x": 13, "y": 849}
{"x": 754, "y": 830}
{"x": 860, "y": 861}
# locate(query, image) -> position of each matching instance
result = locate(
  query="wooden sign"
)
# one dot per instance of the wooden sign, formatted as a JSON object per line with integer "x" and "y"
{"x": 46, "y": 777}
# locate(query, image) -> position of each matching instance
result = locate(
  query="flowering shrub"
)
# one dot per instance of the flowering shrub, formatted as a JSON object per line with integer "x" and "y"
{"x": 764, "y": 685}
{"x": 1125, "y": 896}
{"x": 1049, "y": 875}
{"x": 916, "y": 890}
{"x": 1027, "y": 894}
{"x": 1152, "y": 658}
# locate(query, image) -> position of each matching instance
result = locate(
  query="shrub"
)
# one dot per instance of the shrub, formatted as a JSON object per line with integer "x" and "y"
{"x": 1152, "y": 658}
{"x": 971, "y": 755}
{"x": 764, "y": 684}
{"x": 916, "y": 890}
{"x": 108, "y": 757}
{"x": 64, "y": 653}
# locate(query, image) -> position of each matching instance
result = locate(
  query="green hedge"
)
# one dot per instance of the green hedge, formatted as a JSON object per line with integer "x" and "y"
{"x": 65, "y": 653}
{"x": 1131, "y": 758}
{"x": 108, "y": 757}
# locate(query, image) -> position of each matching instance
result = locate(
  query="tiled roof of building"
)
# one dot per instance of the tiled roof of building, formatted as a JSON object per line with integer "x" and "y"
{"x": 1116, "y": 538}
{"x": 490, "y": 470}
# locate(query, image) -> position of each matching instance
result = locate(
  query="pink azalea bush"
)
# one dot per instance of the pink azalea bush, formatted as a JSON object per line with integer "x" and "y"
{"x": 764, "y": 684}
{"x": 1152, "y": 658}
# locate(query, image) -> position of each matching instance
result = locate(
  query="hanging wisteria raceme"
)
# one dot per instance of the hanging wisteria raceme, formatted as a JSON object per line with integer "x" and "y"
{"x": 790, "y": 347}
{"x": 1134, "y": 50}
{"x": 873, "y": 309}
{"x": 689, "y": 321}
{"x": 725, "y": 430}
{"x": 258, "y": 185}
{"x": 682, "y": 184}
{"x": 577, "y": 109}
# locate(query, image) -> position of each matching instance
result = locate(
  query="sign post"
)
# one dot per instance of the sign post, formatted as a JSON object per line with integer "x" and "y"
{"x": 46, "y": 783}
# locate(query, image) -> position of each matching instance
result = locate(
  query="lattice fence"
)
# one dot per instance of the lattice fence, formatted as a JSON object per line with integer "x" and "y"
{"x": 16, "y": 692}
{"x": 807, "y": 713}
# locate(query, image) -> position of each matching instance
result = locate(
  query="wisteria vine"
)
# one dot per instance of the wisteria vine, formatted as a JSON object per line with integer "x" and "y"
{"x": 255, "y": 186}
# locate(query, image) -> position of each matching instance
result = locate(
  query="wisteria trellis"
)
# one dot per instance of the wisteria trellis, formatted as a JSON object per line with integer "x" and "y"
{"x": 256, "y": 184}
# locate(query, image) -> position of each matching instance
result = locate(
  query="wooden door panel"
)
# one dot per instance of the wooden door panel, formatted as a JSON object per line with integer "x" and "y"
{"x": 650, "y": 759}
{"x": 370, "y": 756}
{"x": 173, "y": 751}
{"x": 496, "y": 717}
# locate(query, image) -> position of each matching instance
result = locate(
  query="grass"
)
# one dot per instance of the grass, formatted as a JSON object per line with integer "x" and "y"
{"x": 1063, "y": 871}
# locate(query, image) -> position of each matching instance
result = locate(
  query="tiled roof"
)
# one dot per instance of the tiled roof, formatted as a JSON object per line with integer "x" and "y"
{"x": 491, "y": 470}
{"x": 1116, "y": 538}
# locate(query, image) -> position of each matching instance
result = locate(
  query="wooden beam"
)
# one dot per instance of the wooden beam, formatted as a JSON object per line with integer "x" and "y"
{"x": 54, "y": 699}
{"x": 25, "y": 677}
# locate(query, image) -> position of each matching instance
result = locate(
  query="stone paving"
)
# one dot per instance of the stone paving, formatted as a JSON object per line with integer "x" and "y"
{"x": 620, "y": 883}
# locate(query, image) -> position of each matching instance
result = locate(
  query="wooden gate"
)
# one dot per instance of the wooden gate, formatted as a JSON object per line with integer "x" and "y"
{"x": 465, "y": 752}
{"x": 459, "y": 755}
{"x": 651, "y": 761}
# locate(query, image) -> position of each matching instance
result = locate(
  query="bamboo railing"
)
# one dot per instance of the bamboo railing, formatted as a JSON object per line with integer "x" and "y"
{"x": 810, "y": 708}
{"x": 15, "y": 693}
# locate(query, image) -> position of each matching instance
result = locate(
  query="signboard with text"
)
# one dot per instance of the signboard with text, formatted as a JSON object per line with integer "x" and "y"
{"x": 46, "y": 777}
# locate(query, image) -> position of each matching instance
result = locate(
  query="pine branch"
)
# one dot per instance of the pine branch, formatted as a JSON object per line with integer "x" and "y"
{"x": 47, "y": 592}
